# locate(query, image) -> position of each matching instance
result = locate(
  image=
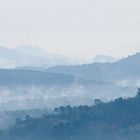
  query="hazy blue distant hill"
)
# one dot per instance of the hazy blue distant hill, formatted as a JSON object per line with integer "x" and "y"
{"x": 52, "y": 59}
{"x": 30, "y": 56}
{"x": 104, "y": 59}
{"x": 31, "y": 50}
{"x": 126, "y": 68}
{"x": 8, "y": 53}
{"x": 29, "y": 77}
{"x": 12, "y": 57}
{"x": 9, "y": 57}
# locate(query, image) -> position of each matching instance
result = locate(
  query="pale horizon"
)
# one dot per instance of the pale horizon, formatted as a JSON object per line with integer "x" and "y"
{"x": 77, "y": 29}
{"x": 78, "y": 57}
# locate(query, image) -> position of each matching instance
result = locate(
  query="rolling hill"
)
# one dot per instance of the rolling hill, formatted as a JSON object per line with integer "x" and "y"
{"x": 104, "y": 59}
{"x": 29, "y": 77}
{"x": 124, "y": 69}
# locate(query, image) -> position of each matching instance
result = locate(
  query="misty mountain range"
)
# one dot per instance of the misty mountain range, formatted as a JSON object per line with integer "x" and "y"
{"x": 74, "y": 85}
{"x": 26, "y": 77}
{"x": 63, "y": 85}
{"x": 24, "y": 88}
{"x": 104, "y": 59}
{"x": 27, "y": 55}
{"x": 30, "y": 56}
{"x": 125, "y": 70}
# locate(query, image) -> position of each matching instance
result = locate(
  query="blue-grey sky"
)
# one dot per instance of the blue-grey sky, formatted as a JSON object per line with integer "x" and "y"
{"x": 77, "y": 28}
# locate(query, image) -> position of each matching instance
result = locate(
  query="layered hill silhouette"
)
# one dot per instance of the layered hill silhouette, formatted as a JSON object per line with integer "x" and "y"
{"x": 28, "y": 56}
{"x": 31, "y": 56}
{"x": 104, "y": 59}
{"x": 29, "y": 77}
{"x": 124, "y": 69}
{"x": 15, "y": 58}
{"x": 118, "y": 119}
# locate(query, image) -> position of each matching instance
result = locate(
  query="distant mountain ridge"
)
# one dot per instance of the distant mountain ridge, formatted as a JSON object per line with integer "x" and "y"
{"x": 31, "y": 56}
{"x": 30, "y": 77}
{"x": 126, "y": 68}
{"x": 70, "y": 84}
{"x": 31, "y": 50}
{"x": 104, "y": 59}
{"x": 28, "y": 56}
{"x": 20, "y": 59}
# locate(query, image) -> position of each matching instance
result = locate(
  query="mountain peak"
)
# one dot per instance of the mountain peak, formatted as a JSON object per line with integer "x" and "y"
{"x": 31, "y": 50}
{"x": 104, "y": 59}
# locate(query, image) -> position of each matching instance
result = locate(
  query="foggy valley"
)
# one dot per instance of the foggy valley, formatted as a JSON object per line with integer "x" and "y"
{"x": 69, "y": 70}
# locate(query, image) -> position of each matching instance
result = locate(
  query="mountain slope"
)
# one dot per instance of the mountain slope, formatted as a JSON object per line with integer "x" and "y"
{"x": 7, "y": 54}
{"x": 30, "y": 56}
{"x": 118, "y": 119}
{"x": 104, "y": 59}
{"x": 31, "y": 50}
{"x": 29, "y": 77}
{"x": 127, "y": 68}
{"x": 52, "y": 59}
{"x": 12, "y": 57}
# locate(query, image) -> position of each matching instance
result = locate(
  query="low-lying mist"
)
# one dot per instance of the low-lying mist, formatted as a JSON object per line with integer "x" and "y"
{"x": 18, "y": 101}
{"x": 32, "y": 97}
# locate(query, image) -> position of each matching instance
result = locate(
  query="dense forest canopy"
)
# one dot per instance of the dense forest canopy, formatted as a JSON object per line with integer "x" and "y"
{"x": 119, "y": 119}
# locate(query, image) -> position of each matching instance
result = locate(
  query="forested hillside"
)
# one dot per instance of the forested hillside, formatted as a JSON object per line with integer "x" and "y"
{"x": 118, "y": 119}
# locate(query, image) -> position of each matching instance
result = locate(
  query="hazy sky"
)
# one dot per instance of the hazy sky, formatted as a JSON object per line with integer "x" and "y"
{"x": 81, "y": 28}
